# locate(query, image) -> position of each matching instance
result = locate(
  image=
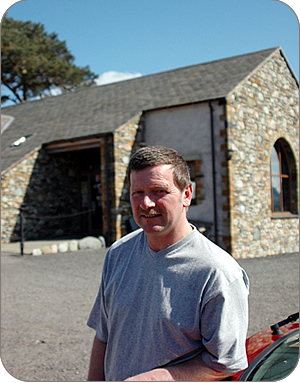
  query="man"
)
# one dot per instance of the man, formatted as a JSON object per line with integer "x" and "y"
{"x": 172, "y": 305}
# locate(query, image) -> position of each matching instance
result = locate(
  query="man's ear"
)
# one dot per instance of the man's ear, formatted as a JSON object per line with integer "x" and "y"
{"x": 187, "y": 196}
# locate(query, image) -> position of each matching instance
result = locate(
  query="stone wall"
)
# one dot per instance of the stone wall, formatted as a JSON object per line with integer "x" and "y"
{"x": 14, "y": 183}
{"x": 263, "y": 109}
{"x": 225, "y": 240}
{"x": 49, "y": 188}
{"x": 127, "y": 139}
{"x": 108, "y": 191}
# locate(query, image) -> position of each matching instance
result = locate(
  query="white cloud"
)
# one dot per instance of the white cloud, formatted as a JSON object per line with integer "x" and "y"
{"x": 112, "y": 76}
{"x": 55, "y": 91}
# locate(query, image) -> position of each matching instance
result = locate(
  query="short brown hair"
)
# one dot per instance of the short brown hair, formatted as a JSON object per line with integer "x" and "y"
{"x": 161, "y": 155}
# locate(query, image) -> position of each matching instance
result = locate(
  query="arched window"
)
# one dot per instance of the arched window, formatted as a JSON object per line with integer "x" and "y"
{"x": 283, "y": 178}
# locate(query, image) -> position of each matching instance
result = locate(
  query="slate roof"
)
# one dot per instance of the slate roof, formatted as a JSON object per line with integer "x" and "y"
{"x": 102, "y": 109}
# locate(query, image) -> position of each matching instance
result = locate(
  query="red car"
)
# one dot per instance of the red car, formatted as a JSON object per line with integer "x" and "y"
{"x": 273, "y": 353}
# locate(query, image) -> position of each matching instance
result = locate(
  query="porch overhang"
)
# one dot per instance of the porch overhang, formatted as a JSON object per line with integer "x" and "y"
{"x": 73, "y": 144}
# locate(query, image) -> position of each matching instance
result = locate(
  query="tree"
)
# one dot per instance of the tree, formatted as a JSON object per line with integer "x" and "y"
{"x": 34, "y": 62}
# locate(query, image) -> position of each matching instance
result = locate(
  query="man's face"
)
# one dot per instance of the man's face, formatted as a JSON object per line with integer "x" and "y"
{"x": 158, "y": 206}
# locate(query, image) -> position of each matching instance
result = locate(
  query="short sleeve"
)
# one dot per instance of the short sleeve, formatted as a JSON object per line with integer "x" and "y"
{"x": 223, "y": 327}
{"x": 98, "y": 316}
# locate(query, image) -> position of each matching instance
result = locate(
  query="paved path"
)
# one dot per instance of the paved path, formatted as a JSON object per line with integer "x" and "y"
{"x": 45, "y": 302}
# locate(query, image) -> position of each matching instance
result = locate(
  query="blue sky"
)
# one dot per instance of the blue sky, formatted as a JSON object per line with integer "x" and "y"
{"x": 123, "y": 38}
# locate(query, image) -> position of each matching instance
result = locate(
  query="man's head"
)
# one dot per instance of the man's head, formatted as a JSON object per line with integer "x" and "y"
{"x": 160, "y": 155}
{"x": 160, "y": 193}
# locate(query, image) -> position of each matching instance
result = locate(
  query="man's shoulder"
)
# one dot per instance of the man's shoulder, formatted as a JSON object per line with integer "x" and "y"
{"x": 123, "y": 249}
{"x": 128, "y": 239}
{"x": 213, "y": 258}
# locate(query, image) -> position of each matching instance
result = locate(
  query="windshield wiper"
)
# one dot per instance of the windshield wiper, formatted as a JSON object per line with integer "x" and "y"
{"x": 289, "y": 319}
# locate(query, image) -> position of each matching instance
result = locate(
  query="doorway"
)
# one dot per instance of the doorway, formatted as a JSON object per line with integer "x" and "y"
{"x": 91, "y": 191}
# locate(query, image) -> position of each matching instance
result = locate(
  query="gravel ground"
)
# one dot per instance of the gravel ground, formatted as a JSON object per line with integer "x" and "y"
{"x": 46, "y": 300}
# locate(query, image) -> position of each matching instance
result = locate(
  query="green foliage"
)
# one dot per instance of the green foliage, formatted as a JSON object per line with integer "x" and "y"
{"x": 34, "y": 62}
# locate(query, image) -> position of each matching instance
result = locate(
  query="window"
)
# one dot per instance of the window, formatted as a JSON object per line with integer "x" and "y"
{"x": 196, "y": 176}
{"x": 192, "y": 174}
{"x": 279, "y": 363}
{"x": 282, "y": 178}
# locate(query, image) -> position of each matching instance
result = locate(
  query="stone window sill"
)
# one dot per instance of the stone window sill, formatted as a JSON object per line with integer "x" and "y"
{"x": 283, "y": 216}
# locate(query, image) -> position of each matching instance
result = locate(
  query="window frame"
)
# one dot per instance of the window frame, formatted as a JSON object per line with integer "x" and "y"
{"x": 285, "y": 175}
{"x": 196, "y": 180}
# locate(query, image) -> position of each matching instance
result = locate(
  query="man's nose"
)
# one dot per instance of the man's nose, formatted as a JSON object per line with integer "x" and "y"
{"x": 147, "y": 202}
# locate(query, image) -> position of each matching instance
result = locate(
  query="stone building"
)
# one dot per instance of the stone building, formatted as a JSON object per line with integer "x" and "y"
{"x": 64, "y": 158}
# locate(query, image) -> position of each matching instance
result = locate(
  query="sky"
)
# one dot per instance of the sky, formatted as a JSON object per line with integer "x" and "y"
{"x": 120, "y": 39}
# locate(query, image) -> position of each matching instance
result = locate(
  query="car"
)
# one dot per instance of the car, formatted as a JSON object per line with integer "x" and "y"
{"x": 272, "y": 353}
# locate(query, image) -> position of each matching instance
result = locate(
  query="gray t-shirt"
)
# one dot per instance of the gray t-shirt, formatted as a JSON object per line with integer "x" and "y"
{"x": 160, "y": 308}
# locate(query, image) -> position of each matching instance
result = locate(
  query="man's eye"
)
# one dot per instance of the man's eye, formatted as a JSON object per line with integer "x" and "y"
{"x": 136, "y": 193}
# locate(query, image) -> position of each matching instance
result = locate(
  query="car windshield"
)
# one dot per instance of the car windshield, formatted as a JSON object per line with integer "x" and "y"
{"x": 279, "y": 363}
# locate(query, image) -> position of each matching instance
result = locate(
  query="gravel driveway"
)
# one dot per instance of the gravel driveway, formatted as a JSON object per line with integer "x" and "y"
{"x": 46, "y": 300}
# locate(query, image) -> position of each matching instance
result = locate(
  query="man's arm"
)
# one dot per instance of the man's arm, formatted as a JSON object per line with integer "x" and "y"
{"x": 192, "y": 370}
{"x": 96, "y": 371}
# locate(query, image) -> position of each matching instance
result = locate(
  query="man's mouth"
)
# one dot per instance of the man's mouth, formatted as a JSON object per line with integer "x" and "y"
{"x": 150, "y": 215}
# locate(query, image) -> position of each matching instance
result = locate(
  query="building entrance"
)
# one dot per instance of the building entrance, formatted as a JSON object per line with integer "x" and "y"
{"x": 91, "y": 192}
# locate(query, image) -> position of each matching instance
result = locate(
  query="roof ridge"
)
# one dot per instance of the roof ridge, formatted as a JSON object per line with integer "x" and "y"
{"x": 138, "y": 79}
{"x": 103, "y": 109}
{"x": 272, "y": 52}
{"x": 207, "y": 62}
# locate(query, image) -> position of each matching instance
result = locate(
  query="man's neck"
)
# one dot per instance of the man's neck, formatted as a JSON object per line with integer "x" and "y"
{"x": 158, "y": 243}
